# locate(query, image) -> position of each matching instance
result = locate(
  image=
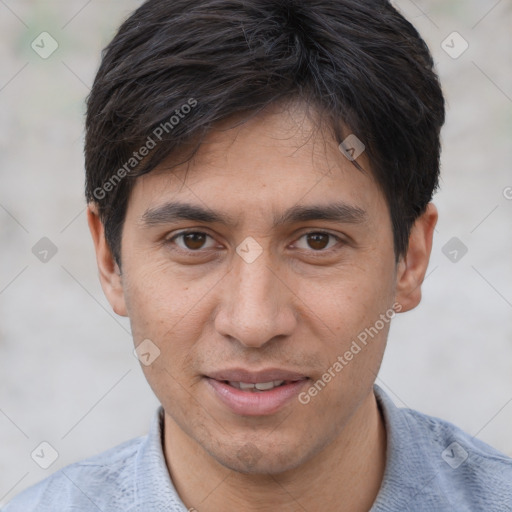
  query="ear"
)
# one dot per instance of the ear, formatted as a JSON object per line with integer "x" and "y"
{"x": 412, "y": 267}
{"x": 109, "y": 272}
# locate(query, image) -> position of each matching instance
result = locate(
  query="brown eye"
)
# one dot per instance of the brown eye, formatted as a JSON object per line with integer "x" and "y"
{"x": 191, "y": 241}
{"x": 318, "y": 241}
{"x": 194, "y": 241}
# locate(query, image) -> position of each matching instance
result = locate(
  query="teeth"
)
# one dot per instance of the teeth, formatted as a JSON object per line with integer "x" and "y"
{"x": 260, "y": 386}
{"x": 264, "y": 386}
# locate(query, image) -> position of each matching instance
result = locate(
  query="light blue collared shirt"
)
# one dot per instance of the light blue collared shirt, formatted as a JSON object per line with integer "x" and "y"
{"x": 432, "y": 466}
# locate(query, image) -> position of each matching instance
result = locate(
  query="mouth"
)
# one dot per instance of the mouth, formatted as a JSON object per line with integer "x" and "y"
{"x": 255, "y": 393}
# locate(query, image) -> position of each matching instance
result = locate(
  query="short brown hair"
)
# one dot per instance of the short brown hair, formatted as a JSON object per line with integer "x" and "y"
{"x": 176, "y": 67}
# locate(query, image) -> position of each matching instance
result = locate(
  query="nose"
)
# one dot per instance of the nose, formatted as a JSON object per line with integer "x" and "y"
{"x": 256, "y": 303}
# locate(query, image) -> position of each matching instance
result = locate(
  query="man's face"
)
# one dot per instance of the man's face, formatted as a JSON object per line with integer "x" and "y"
{"x": 278, "y": 301}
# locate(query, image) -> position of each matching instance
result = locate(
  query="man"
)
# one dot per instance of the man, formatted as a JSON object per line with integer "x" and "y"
{"x": 259, "y": 178}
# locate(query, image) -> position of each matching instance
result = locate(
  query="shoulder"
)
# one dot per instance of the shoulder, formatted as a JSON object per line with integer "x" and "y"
{"x": 437, "y": 466}
{"x": 464, "y": 457}
{"x": 101, "y": 482}
{"x": 467, "y": 471}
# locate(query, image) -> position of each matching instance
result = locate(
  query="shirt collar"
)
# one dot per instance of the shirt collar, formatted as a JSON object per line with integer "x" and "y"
{"x": 409, "y": 466}
{"x": 153, "y": 484}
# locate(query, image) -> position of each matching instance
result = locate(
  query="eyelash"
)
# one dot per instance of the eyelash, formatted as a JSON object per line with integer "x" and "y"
{"x": 200, "y": 252}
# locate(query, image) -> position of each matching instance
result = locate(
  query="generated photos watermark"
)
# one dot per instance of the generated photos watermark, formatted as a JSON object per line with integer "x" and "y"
{"x": 151, "y": 142}
{"x": 355, "y": 348}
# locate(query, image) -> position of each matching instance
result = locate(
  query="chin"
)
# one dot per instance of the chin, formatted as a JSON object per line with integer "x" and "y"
{"x": 249, "y": 459}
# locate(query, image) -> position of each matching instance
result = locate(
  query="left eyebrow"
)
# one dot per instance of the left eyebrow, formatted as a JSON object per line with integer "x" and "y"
{"x": 337, "y": 212}
{"x": 175, "y": 211}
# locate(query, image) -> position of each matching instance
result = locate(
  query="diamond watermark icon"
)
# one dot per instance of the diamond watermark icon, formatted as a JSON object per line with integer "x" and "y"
{"x": 44, "y": 250}
{"x": 44, "y": 455}
{"x": 249, "y": 454}
{"x": 454, "y": 455}
{"x": 454, "y": 249}
{"x": 146, "y": 352}
{"x": 352, "y": 147}
{"x": 249, "y": 250}
{"x": 454, "y": 45}
{"x": 44, "y": 45}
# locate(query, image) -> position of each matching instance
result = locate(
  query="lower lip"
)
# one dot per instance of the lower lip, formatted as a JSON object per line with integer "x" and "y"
{"x": 256, "y": 403}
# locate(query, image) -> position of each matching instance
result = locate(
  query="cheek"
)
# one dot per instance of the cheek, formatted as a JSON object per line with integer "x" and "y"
{"x": 158, "y": 300}
{"x": 173, "y": 314}
{"x": 347, "y": 301}
{"x": 353, "y": 362}
{"x": 352, "y": 312}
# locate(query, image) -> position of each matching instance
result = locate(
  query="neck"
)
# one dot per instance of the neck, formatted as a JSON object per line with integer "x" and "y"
{"x": 345, "y": 476}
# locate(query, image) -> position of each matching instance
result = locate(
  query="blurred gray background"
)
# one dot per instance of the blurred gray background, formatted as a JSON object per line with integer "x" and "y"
{"x": 68, "y": 374}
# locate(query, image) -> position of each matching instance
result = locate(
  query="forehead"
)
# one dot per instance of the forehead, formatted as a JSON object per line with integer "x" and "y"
{"x": 277, "y": 158}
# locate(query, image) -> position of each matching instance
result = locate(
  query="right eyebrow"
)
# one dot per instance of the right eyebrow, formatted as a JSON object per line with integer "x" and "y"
{"x": 174, "y": 211}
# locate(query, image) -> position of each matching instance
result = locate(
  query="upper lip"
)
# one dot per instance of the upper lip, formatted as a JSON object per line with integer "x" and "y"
{"x": 253, "y": 377}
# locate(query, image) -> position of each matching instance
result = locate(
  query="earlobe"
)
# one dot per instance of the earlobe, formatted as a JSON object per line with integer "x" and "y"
{"x": 412, "y": 267}
{"x": 109, "y": 272}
